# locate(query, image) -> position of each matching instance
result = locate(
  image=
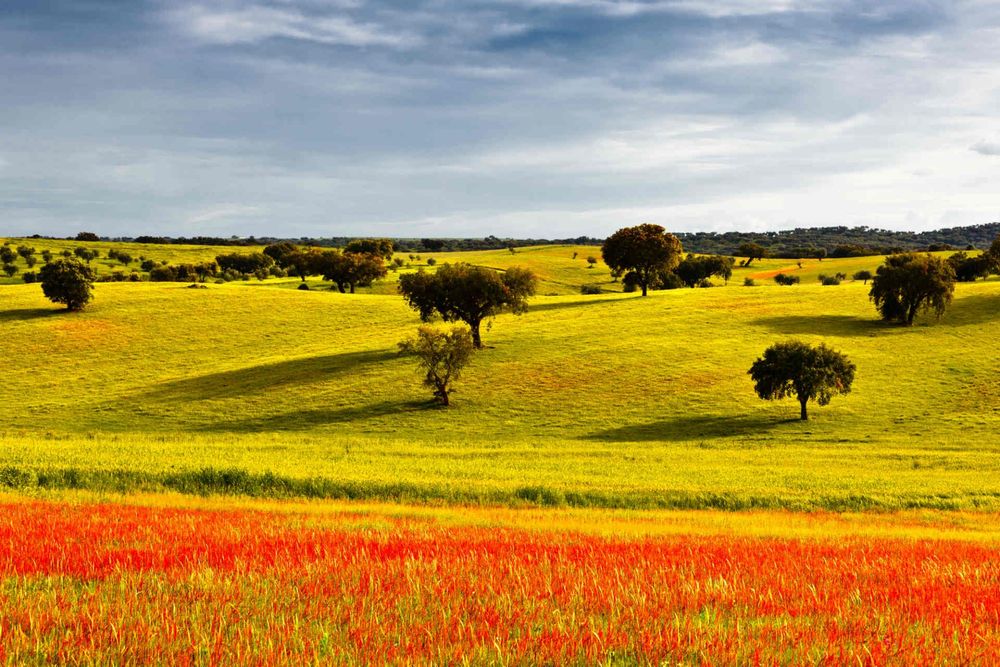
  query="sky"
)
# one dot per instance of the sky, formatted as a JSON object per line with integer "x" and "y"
{"x": 517, "y": 118}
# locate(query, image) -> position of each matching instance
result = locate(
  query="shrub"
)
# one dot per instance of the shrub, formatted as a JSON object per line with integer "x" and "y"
{"x": 831, "y": 280}
{"x": 29, "y": 276}
{"x": 10, "y": 270}
{"x": 783, "y": 279}
{"x": 749, "y": 282}
{"x": 590, "y": 289}
{"x": 304, "y": 286}
{"x": 431, "y": 261}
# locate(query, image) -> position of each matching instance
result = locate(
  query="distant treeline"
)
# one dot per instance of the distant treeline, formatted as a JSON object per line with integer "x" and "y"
{"x": 792, "y": 243}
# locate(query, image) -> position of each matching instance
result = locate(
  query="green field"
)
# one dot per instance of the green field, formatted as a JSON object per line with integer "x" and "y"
{"x": 611, "y": 400}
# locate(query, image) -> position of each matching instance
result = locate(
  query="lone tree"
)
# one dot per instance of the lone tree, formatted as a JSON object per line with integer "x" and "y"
{"x": 907, "y": 283}
{"x": 808, "y": 372}
{"x": 751, "y": 251}
{"x": 466, "y": 293}
{"x": 643, "y": 251}
{"x": 441, "y": 355}
{"x": 864, "y": 275}
{"x": 67, "y": 281}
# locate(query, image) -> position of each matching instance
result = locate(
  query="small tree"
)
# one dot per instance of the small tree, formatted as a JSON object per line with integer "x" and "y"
{"x": 862, "y": 275}
{"x": 441, "y": 355}
{"x": 751, "y": 251}
{"x": 907, "y": 283}
{"x": 7, "y": 255}
{"x": 810, "y": 373}
{"x": 644, "y": 251}
{"x": 67, "y": 281}
{"x": 10, "y": 270}
{"x": 591, "y": 262}
{"x": 466, "y": 293}
{"x": 785, "y": 279}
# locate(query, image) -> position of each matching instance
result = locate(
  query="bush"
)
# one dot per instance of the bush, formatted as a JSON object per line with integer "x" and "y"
{"x": 148, "y": 265}
{"x": 163, "y": 274}
{"x": 831, "y": 280}
{"x": 431, "y": 261}
{"x": 590, "y": 289}
{"x": 705, "y": 282}
{"x": 29, "y": 276}
{"x": 783, "y": 279}
{"x": 304, "y": 286}
{"x": 749, "y": 282}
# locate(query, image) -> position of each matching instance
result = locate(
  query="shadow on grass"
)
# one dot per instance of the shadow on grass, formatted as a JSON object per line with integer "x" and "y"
{"x": 831, "y": 325}
{"x": 302, "y": 420}
{"x": 590, "y": 300}
{"x": 265, "y": 377}
{"x": 25, "y": 314}
{"x": 968, "y": 310}
{"x": 691, "y": 428}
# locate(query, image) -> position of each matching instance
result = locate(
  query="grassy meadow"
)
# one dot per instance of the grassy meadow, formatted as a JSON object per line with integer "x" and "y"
{"x": 608, "y": 400}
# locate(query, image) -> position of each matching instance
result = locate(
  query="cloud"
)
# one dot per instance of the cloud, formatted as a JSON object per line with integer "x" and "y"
{"x": 256, "y": 23}
{"x": 986, "y": 147}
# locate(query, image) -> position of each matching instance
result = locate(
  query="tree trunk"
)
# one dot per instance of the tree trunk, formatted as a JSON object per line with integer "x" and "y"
{"x": 644, "y": 289}
{"x": 352, "y": 288}
{"x": 803, "y": 415}
{"x": 477, "y": 342}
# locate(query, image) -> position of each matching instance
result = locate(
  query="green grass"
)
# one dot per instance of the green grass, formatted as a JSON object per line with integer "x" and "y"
{"x": 608, "y": 400}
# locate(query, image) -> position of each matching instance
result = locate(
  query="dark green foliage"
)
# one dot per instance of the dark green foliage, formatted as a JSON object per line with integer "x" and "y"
{"x": 441, "y": 356}
{"x": 466, "y": 293}
{"x": 7, "y": 255}
{"x": 831, "y": 280}
{"x": 908, "y": 283}
{"x": 785, "y": 279}
{"x": 27, "y": 252}
{"x": 67, "y": 281}
{"x": 810, "y": 373}
{"x": 10, "y": 270}
{"x": 591, "y": 262}
{"x": 590, "y": 289}
{"x": 749, "y": 282}
{"x": 695, "y": 269}
{"x": 147, "y": 264}
{"x": 431, "y": 261}
{"x": 46, "y": 255}
{"x": 968, "y": 269}
{"x": 751, "y": 251}
{"x": 349, "y": 270}
{"x": 379, "y": 247}
{"x": 644, "y": 251}
{"x": 277, "y": 251}
{"x": 301, "y": 263}
{"x": 29, "y": 277}
{"x": 87, "y": 236}
{"x": 864, "y": 275}
{"x": 246, "y": 264}
{"x": 86, "y": 254}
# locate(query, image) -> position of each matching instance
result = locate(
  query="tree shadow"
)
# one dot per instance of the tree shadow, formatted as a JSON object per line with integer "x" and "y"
{"x": 25, "y": 314}
{"x": 691, "y": 428}
{"x": 265, "y": 377}
{"x": 831, "y": 325}
{"x": 968, "y": 310}
{"x": 302, "y": 420}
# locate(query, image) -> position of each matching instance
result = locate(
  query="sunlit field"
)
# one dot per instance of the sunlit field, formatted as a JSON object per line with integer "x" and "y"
{"x": 250, "y": 473}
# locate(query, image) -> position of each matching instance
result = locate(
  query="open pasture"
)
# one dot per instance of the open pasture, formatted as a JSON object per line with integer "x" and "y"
{"x": 607, "y": 400}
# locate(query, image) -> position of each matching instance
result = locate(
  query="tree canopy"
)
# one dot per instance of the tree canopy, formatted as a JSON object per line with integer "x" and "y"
{"x": 349, "y": 270}
{"x": 467, "y": 293}
{"x": 908, "y": 283}
{"x": 68, "y": 281}
{"x": 642, "y": 253}
{"x": 810, "y": 373}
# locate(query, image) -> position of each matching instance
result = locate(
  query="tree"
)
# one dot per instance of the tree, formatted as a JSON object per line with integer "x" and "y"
{"x": 591, "y": 262}
{"x": 10, "y": 270}
{"x": 301, "y": 263}
{"x": 379, "y": 247}
{"x": 785, "y": 279}
{"x": 907, "y": 283}
{"x": 277, "y": 251}
{"x": 67, "y": 281}
{"x": 695, "y": 269}
{"x": 968, "y": 269}
{"x": 751, "y": 251}
{"x": 7, "y": 255}
{"x": 862, "y": 275}
{"x": 27, "y": 252}
{"x": 87, "y": 236}
{"x": 245, "y": 263}
{"x": 466, "y": 293}
{"x": 441, "y": 355}
{"x": 810, "y": 373}
{"x": 349, "y": 269}
{"x": 644, "y": 251}
{"x": 86, "y": 254}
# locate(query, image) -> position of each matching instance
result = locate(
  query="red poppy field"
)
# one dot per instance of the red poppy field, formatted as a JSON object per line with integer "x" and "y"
{"x": 87, "y": 582}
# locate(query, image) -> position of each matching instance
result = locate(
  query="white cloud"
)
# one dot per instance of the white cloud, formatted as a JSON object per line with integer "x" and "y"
{"x": 255, "y": 23}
